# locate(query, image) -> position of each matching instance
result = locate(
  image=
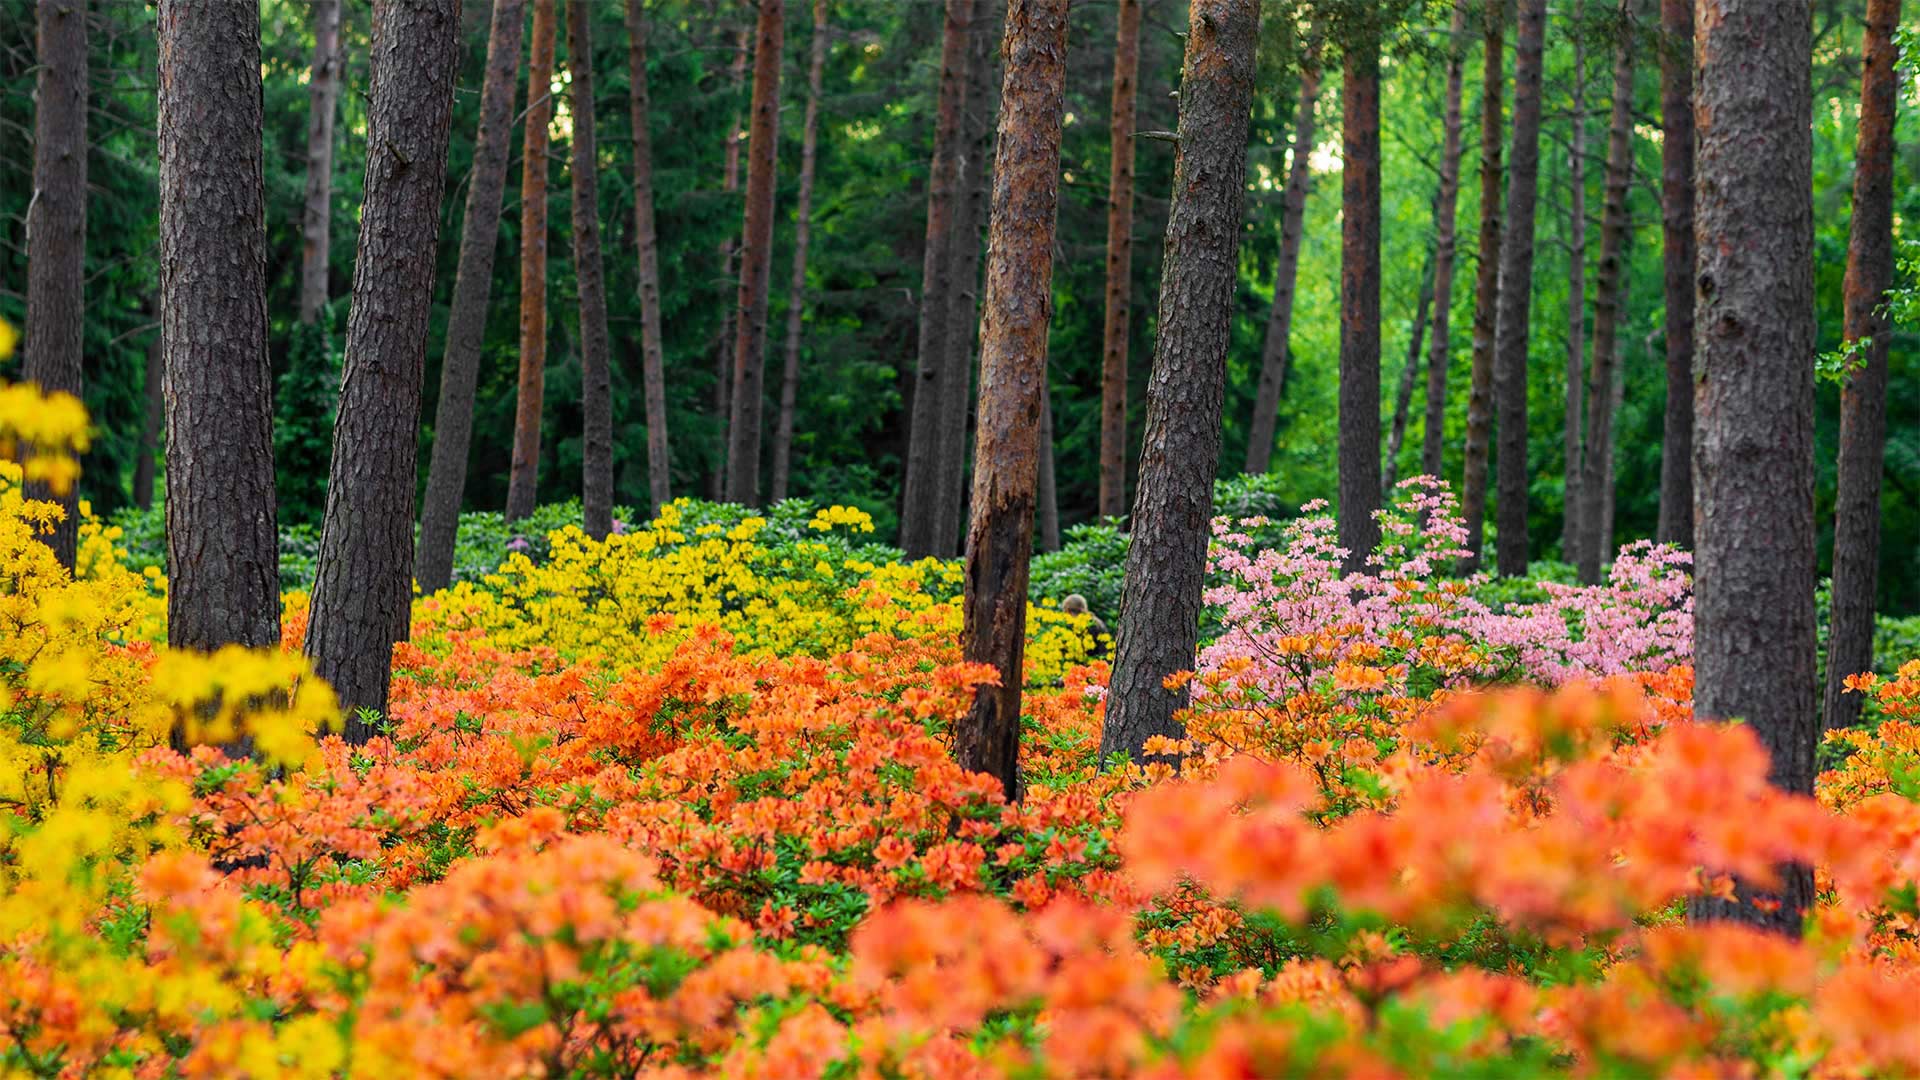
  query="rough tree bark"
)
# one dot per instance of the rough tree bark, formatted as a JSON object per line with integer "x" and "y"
{"x": 363, "y": 584}
{"x": 797, "y": 285}
{"x": 1676, "y": 213}
{"x": 1486, "y": 292}
{"x": 1173, "y": 506}
{"x": 653, "y": 370}
{"x": 1293, "y": 212}
{"x": 1013, "y": 379}
{"x": 223, "y": 560}
{"x": 1403, "y": 396}
{"x": 1608, "y": 304}
{"x": 467, "y": 317}
{"x": 756, "y": 260}
{"x": 919, "y": 511}
{"x": 57, "y": 231}
{"x": 963, "y": 320}
{"x": 1863, "y": 399}
{"x": 1571, "y": 533}
{"x": 1440, "y": 351}
{"x": 723, "y": 346}
{"x": 524, "y": 479}
{"x": 1753, "y": 449}
{"x": 1359, "y": 483}
{"x": 316, "y": 216}
{"x": 1516, "y": 300}
{"x": 1113, "y": 352}
{"x": 596, "y": 379}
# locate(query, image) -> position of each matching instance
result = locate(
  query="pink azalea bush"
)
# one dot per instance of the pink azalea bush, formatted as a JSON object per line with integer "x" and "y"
{"x": 1292, "y": 619}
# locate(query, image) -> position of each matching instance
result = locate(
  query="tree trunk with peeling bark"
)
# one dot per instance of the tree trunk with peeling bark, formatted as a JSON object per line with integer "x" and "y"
{"x": 1440, "y": 351}
{"x": 1486, "y": 291}
{"x": 1512, "y": 326}
{"x": 1116, "y": 329}
{"x": 316, "y": 216}
{"x": 797, "y": 285}
{"x": 1753, "y": 450}
{"x": 1173, "y": 507}
{"x": 1013, "y": 378}
{"x": 363, "y": 585}
{"x": 1276, "y": 351}
{"x": 756, "y": 260}
{"x": 57, "y": 233}
{"x": 523, "y": 479}
{"x": 1676, "y": 213}
{"x": 223, "y": 558}
{"x": 1863, "y": 398}
{"x": 1609, "y": 302}
{"x": 467, "y": 317}
{"x": 589, "y": 273}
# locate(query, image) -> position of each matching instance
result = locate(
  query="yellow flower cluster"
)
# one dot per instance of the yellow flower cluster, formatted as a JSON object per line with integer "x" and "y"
{"x": 48, "y": 430}
{"x": 632, "y": 599}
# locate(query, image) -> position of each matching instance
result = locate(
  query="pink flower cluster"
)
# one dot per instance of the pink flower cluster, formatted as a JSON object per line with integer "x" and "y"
{"x": 1282, "y": 607}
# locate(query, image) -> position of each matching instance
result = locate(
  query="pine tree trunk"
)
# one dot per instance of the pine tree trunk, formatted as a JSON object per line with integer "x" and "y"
{"x": 316, "y": 215}
{"x": 1595, "y": 549}
{"x": 1753, "y": 451}
{"x": 1360, "y": 304}
{"x": 1440, "y": 351}
{"x": 363, "y": 585}
{"x": 1516, "y": 301}
{"x": 1113, "y": 371}
{"x": 1173, "y": 506}
{"x": 1863, "y": 398}
{"x": 1676, "y": 212}
{"x": 467, "y": 318}
{"x": 523, "y": 481}
{"x": 1049, "y": 488}
{"x": 653, "y": 370}
{"x": 1571, "y": 534}
{"x": 1607, "y": 455}
{"x": 1013, "y": 378}
{"x": 57, "y": 231}
{"x": 919, "y": 511}
{"x": 963, "y": 318}
{"x": 1293, "y": 213}
{"x": 756, "y": 260}
{"x": 596, "y": 379}
{"x": 223, "y": 562}
{"x": 724, "y": 345}
{"x": 153, "y": 418}
{"x": 1403, "y": 397}
{"x": 1486, "y": 298}
{"x": 797, "y": 285}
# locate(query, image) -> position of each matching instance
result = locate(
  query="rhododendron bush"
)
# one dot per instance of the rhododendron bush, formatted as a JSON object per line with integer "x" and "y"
{"x": 682, "y": 804}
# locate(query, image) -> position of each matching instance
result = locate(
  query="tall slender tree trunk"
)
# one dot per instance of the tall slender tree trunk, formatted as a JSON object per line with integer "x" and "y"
{"x": 523, "y": 480}
{"x": 1114, "y": 335}
{"x": 1403, "y": 397}
{"x": 756, "y": 260}
{"x": 316, "y": 215}
{"x": 467, "y": 319}
{"x": 919, "y": 512}
{"x": 653, "y": 369}
{"x": 1516, "y": 295}
{"x": 1293, "y": 215}
{"x": 223, "y": 559}
{"x": 1049, "y": 487}
{"x": 596, "y": 378}
{"x": 797, "y": 285}
{"x": 1440, "y": 352}
{"x": 1616, "y": 396}
{"x": 1863, "y": 398}
{"x": 1753, "y": 452}
{"x": 1173, "y": 506}
{"x": 1486, "y": 291}
{"x": 1608, "y": 306}
{"x": 725, "y": 344}
{"x": 1571, "y": 534}
{"x": 152, "y": 420}
{"x": 1676, "y": 213}
{"x": 363, "y": 585}
{"x": 963, "y": 318}
{"x": 57, "y": 231}
{"x": 1013, "y": 378}
{"x": 1360, "y": 303}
